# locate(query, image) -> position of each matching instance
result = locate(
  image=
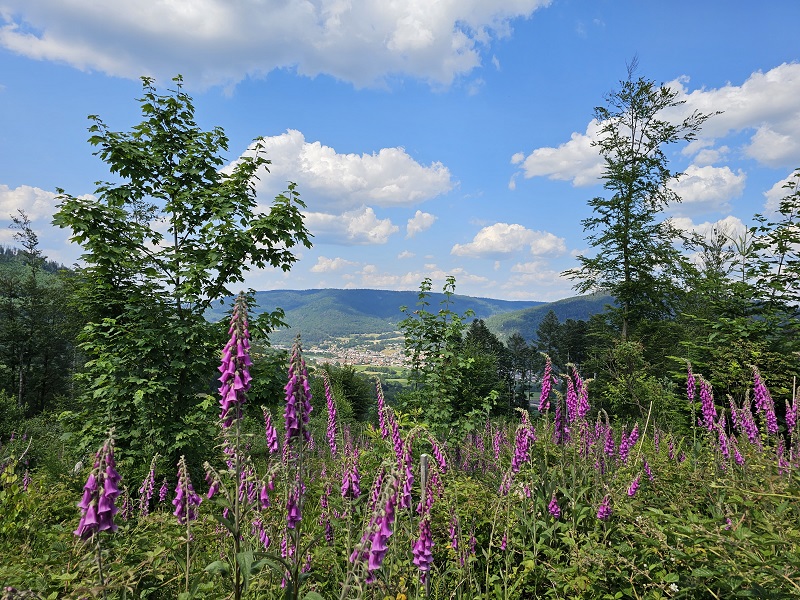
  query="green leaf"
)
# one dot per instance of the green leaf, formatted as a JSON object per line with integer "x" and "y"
{"x": 218, "y": 567}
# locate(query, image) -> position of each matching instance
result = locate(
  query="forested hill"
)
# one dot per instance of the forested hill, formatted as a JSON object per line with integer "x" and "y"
{"x": 328, "y": 313}
{"x": 526, "y": 321}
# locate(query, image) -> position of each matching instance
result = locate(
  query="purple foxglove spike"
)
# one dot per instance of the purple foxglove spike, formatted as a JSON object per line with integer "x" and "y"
{"x": 553, "y": 507}
{"x": 604, "y": 510}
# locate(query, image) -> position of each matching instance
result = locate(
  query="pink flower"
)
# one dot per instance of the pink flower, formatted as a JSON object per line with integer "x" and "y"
{"x": 186, "y": 499}
{"x": 553, "y": 507}
{"x": 547, "y": 384}
{"x": 235, "y": 367}
{"x": 604, "y": 510}
{"x": 99, "y": 493}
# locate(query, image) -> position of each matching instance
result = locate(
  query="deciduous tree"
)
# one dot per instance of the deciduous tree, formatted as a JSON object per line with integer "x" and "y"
{"x": 636, "y": 257}
{"x": 161, "y": 243}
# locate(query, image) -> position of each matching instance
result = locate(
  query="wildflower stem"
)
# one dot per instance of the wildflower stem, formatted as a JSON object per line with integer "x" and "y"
{"x": 99, "y": 555}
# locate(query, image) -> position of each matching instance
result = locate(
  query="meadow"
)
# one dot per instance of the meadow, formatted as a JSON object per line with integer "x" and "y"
{"x": 559, "y": 502}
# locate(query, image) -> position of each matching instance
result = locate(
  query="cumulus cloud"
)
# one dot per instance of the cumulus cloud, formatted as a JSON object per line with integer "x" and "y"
{"x": 36, "y": 202}
{"x": 536, "y": 280}
{"x": 730, "y": 226}
{"x": 352, "y": 228}
{"x": 420, "y": 222}
{"x": 707, "y": 188}
{"x": 765, "y": 104}
{"x": 325, "y": 264}
{"x": 405, "y": 254}
{"x": 764, "y": 107}
{"x": 39, "y": 205}
{"x": 777, "y": 192}
{"x": 329, "y": 181}
{"x": 221, "y": 42}
{"x": 576, "y": 160}
{"x": 501, "y": 240}
{"x": 372, "y": 277}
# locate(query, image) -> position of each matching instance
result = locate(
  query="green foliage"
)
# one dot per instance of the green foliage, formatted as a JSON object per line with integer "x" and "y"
{"x": 433, "y": 346}
{"x": 636, "y": 260}
{"x": 37, "y": 325}
{"x": 162, "y": 244}
{"x": 353, "y": 393}
{"x": 777, "y": 243}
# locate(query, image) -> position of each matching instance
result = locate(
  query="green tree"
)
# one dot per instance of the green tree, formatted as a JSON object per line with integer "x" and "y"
{"x": 523, "y": 361}
{"x": 434, "y": 349}
{"x": 38, "y": 326}
{"x": 777, "y": 244}
{"x": 636, "y": 259}
{"x": 490, "y": 371}
{"x": 161, "y": 243}
{"x": 548, "y": 338}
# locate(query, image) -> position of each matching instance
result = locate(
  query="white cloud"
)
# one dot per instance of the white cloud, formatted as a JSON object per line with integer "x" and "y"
{"x": 352, "y": 228}
{"x": 766, "y": 103}
{"x": 709, "y": 156}
{"x": 325, "y": 264}
{"x": 765, "y": 107}
{"x": 777, "y": 192}
{"x": 36, "y": 202}
{"x": 576, "y": 160}
{"x": 501, "y": 240}
{"x": 221, "y": 42}
{"x": 536, "y": 280}
{"x": 707, "y": 188}
{"x": 329, "y": 181}
{"x": 39, "y": 205}
{"x": 420, "y": 222}
{"x": 405, "y": 254}
{"x": 410, "y": 280}
{"x": 731, "y": 226}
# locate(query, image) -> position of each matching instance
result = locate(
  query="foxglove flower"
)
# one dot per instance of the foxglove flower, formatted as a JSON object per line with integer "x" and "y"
{"x": 381, "y": 408}
{"x": 521, "y": 449}
{"x": 147, "y": 488}
{"x": 163, "y": 491}
{"x": 547, "y": 385}
{"x": 604, "y": 510}
{"x": 583, "y": 395}
{"x": 572, "y": 401}
{"x": 764, "y": 403}
{"x": 439, "y": 456}
{"x": 331, "y": 406}
{"x": 422, "y": 550}
{"x": 351, "y": 480}
{"x": 298, "y": 397}
{"x": 707, "y": 404}
{"x": 608, "y": 447}
{"x": 269, "y": 432}
{"x": 647, "y": 470}
{"x": 186, "y": 499}
{"x": 632, "y": 489}
{"x": 691, "y": 384}
{"x": 791, "y": 416}
{"x": 235, "y": 367}
{"x": 553, "y": 507}
{"x": 99, "y": 493}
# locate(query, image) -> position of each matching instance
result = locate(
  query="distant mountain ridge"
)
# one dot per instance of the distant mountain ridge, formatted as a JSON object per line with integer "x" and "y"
{"x": 321, "y": 314}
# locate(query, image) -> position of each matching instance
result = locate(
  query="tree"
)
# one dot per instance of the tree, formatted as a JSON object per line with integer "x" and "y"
{"x": 489, "y": 369}
{"x": 161, "y": 244}
{"x": 38, "y": 326}
{"x": 777, "y": 244}
{"x": 636, "y": 257}
{"x": 548, "y": 337}
{"x": 434, "y": 349}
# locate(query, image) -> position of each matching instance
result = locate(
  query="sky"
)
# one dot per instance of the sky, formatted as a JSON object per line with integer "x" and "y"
{"x": 426, "y": 137}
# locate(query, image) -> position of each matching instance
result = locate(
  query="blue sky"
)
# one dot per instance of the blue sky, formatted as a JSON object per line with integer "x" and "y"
{"x": 427, "y": 137}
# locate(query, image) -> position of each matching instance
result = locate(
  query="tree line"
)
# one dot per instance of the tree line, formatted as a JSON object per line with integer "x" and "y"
{"x": 122, "y": 341}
